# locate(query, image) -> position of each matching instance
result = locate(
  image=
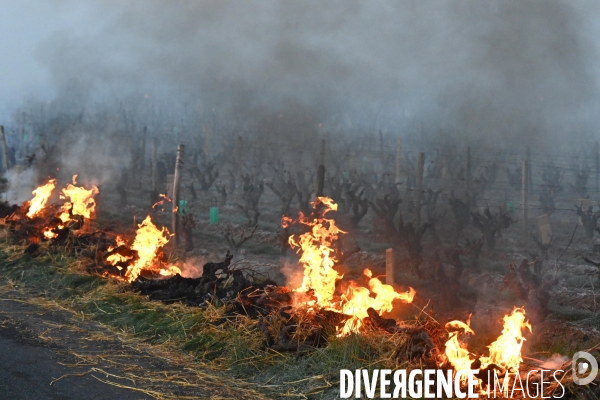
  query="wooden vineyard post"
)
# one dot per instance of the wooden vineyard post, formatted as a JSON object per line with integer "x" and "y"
{"x": 398, "y": 158}
{"x": 154, "y": 165}
{"x": 419, "y": 189}
{"x": 143, "y": 160}
{"x": 4, "y": 149}
{"x": 468, "y": 174}
{"x": 545, "y": 228}
{"x": 584, "y": 204}
{"x": 381, "y": 152}
{"x": 22, "y": 144}
{"x": 207, "y": 143}
{"x": 154, "y": 192}
{"x": 322, "y": 154}
{"x": 597, "y": 164}
{"x": 321, "y": 171}
{"x": 389, "y": 266}
{"x": 176, "y": 183}
{"x": 524, "y": 195}
{"x": 529, "y": 176}
{"x": 238, "y": 153}
{"x": 170, "y": 180}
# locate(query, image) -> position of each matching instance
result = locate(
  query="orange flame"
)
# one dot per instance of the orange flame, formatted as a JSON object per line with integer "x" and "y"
{"x": 64, "y": 215}
{"x": 41, "y": 197}
{"x": 162, "y": 202}
{"x": 115, "y": 258}
{"x": 172, "y": 270}
{"x": 506, "y": 350}
{"x": 317, "y": 257}
{"x": 358, "y": 300}
{"x": 286, "y": 221}
{"x": 148, "y": 241}
{"x": 456, "y": 352}
{"x": 81, "y": 201}
{"x": 48, "y": 234}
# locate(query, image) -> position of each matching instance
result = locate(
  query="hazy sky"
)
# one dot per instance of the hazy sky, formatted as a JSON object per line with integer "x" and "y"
{"x": 482, "y": 62}
{"x": 25, "y": 26}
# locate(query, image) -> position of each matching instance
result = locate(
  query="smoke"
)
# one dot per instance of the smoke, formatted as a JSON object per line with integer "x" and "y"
{"x": 191, "y": 267}
{"x": 21, "y": 183}
{"x": 96, "y": 159}
{"x": 495, "y": 70}
{"x": 555, "y": 362}
{"x": 293, "y": 275}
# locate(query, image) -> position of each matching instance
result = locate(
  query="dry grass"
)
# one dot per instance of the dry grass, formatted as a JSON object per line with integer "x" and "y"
{"x": 208, "y": 345}
{"x": 197, "y": 339}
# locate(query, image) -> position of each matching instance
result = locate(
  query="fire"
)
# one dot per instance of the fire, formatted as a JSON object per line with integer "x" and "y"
{"x": 147, "y": 243}
{"x": 317, "y": 254}
{"x": 506, "y": 350}
{"x": 162, "y": 201}
{"x": 358, "y": 300}
{"x": 456, "y": 352}
{"x": 115, "y": 258}
{"x": 65, "y": 216}
{"x": 148, "y": 240}
{"x": 41, "y": 197}
{"x": 81, "y": 201}
{"x": 320, "y": 277}
{"x": 48, "y": 234}
{"x": 172, "y": 270}
{"x": 386, "y": 293}
{"x": 286, "y": 221}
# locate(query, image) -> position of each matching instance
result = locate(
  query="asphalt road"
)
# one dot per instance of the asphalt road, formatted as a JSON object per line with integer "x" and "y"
{"x": 33, "y": 355}
{"x": 27, "y": 369}
{"x": 49, "y": 353}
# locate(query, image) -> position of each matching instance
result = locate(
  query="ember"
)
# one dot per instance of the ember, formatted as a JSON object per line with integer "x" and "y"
{"x": 48, "y": 234}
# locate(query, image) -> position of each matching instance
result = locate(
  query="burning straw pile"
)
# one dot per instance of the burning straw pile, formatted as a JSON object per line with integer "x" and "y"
{"x": 37, "y": 220}
{"x": 346, "y": 317}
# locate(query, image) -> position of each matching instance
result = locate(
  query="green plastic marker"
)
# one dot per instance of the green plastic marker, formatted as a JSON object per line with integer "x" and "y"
{"x": 214, "y": 211}
{"x": 183, "y": 207}
{"x": 214, "y": 215}
{"x": 510, "y": 206}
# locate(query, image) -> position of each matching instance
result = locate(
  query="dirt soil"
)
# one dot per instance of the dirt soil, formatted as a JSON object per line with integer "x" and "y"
{"x": 50, "y": 353}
